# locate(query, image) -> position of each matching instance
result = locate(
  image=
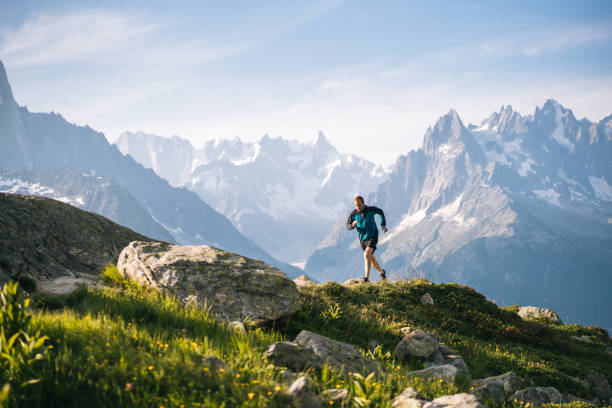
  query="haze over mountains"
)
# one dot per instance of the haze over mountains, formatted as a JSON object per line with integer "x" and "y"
{"x": 282, "y": 194}
{"x": 45, "y": 145}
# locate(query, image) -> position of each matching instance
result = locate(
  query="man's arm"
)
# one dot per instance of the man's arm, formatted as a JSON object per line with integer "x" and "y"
{"x": 349, "y": 222}
{"x": 383, "y": 221}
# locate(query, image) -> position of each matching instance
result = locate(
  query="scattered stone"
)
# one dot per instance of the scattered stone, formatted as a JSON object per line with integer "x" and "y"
{"x": 462, "y": 400}
{"x": 537, "y": 396}
{"x": 426, "y": 299}
{"x": 233, "y": 286}
{"x": 496, "y": 389}
{"x": 303, "y": 281}
{"x": 65, "y": 285}
{"x": 417, "y": 343}
{"x": 288, "y": 376}
{"x": 353, "y": 281}
{"x": 454, "y": 360}
{"x": 300, "y": 392}
{"x": 584, "y": 338}
{"x": 293, "y": 356}
{"x": 445, "y": 350}
{"x": 598, "y": 384}
{"x": 533, "y": 312}
{"x": 409, "y": 398}
{"x": 337, "y": 354}
{"x": 338, "y": 396}
{"x": 446, "y": 372}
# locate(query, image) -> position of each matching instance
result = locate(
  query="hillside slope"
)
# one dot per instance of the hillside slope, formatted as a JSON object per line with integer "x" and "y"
{"x": 45, "y": 238}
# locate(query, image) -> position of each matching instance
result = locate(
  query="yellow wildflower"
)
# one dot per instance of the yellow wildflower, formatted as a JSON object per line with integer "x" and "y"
{"x": 277, "y": 388}
{"x": 251, "y": 395}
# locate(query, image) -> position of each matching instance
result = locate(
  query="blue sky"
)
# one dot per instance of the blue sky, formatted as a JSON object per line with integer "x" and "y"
{"x": 372, "y": 75}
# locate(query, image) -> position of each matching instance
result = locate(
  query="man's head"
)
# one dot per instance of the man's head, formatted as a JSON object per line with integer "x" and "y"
{"x": 359, "y": 204}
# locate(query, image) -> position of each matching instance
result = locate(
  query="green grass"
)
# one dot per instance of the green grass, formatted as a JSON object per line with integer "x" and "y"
{"x": 124, "y": 345}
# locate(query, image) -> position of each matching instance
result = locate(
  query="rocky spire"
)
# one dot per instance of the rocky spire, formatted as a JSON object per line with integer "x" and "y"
{"x": 6, "y": 95}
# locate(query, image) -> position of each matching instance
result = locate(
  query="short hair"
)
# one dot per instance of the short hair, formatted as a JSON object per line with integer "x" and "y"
{"x": 358, "y": 197}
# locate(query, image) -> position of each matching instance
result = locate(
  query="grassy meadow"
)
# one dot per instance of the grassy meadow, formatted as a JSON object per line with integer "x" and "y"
{"x": 124, "y": 345}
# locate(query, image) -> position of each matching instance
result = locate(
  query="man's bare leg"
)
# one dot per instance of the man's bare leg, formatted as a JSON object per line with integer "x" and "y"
{"x": 375, "y": 263}
{"x": 367, "y": 254}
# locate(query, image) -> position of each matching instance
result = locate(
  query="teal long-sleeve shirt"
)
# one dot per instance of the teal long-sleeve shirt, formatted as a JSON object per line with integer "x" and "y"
{"x": 366, "y": 224}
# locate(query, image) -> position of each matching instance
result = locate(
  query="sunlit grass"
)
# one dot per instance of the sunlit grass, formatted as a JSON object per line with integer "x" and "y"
{"x": 124, "y": 345}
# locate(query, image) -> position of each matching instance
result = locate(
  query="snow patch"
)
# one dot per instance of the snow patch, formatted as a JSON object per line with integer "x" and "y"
{"x": 559, "y": 134}
{"x": 550, "y": 196}
{"x": 603, "y": 191}
{"x": 408, "y": 220}
{"x": 300, "y": 265}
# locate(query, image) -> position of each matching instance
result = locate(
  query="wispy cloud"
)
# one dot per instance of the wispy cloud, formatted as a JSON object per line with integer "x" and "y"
{"x": 95, "y": 35}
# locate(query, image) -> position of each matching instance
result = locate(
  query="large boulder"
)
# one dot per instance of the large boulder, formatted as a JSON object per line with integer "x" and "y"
{"x": 533, "y": 312}
{"x": 496, "y": 389}
{"x": 303, "y": 281}
{"x": 409, "y": 398}
{"x": 233, "y": 286}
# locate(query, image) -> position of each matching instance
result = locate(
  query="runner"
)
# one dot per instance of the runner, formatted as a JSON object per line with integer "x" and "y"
{"x": 362, "y": 218}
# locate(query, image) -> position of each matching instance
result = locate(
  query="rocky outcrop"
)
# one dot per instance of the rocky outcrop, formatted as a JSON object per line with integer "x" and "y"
{"x": 446, "y": 372}
{"x": 419, "y": 343}
{"x": 537, "y": 396}
{"x": 313, "y": 350}
{"x": 303, "y": 281}
{"x": 233, "y": 286}
{"x": 426, "y": 299}
{"x": 533, "y": 312}
{"x": 412, "y": 399}
{"x": 496, "y": 389}
{"x": 48, "y": 239}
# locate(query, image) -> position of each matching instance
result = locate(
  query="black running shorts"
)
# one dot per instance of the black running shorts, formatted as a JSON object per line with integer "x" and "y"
{"x": 370, "y": 243}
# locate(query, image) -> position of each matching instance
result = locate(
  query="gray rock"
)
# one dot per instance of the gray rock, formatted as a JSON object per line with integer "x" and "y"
{"x": 426, "y": 299}
{"x": 340, "y": 356}
{"x": 496, "y": 389}
{"x": 303, "y": 281}
{"x": 416, "y": 343}
{"x": 409, "y": 398}
{"x": 288, "y": 376}
{"x": 583, "y": 338}
{"x": 337, "y": 395}
{"x": 457, "y": 361}
{"x": 293, "y": 356}
{"x": 444, "y": 349}
{"x": 353, "y": 281}
{"x": 300, "y": 392}
{"x": 598, "y": 384}
{"x": 537, "y": 395}
{"x": 234, "y": 287}
{"x": 446, "y": 372}
{"x": 456, "y": 401}
{"x": 533, "y": 312}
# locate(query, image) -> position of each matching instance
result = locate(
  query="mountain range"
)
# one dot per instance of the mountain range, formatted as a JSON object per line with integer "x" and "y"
{"x": 64, "y": 159}
{"x": 282, "y": 194}
{"x": 519, "y": 207}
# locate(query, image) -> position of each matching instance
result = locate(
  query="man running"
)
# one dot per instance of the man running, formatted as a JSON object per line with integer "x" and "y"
{"x": 362, "y": 217}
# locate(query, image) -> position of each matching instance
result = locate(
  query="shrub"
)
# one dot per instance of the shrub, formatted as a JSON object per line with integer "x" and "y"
{"x": 19, "y": 349}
